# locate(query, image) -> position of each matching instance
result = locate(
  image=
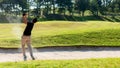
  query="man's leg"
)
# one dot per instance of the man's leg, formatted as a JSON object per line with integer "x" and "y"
{"x": 23, "y": 47}
{"x": 30, "y": 48}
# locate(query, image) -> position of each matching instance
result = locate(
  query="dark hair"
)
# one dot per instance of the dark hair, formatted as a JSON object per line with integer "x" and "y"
{"x": 24, "y": 14}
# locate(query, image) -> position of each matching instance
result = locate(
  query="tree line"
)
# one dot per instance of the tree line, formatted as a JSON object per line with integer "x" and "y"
{"x": 45, "y": 7}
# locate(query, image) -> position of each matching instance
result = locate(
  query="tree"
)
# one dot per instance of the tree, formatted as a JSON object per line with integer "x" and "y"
{"x": 96, "y": 7}
{"x": 7, "y": 6}
{"x": 53, "y": 2}
{"x": 82, "y": 5}
{"x": 69, "y": 5}
{"x": 39, "y": 3}
{"x": 117, "y": 6}
{"x": 61, "y": 6}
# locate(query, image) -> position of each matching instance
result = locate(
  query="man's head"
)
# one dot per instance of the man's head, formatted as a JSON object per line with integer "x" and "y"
{"x": 25, "y": 15}
{"x": 24, "y": 18}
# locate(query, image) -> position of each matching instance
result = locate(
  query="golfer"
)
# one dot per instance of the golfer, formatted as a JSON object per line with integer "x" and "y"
{"x": 26, "y": 37}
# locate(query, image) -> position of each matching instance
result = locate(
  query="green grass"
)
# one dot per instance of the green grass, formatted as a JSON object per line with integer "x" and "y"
{"x": 63, "y": 33}
{"x": 86, "y": 63}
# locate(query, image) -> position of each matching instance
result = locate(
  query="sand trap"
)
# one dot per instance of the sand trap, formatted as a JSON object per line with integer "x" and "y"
{"x": 59, "y": 53}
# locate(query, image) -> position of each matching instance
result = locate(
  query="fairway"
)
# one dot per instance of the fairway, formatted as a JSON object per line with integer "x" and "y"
{"x": 87, "y": 63}
{"x": 63, "y": 33}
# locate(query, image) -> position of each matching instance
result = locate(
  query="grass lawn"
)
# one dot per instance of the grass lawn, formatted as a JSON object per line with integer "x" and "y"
{"x": 63, "y": 33}
{"x": 86, "y": 63}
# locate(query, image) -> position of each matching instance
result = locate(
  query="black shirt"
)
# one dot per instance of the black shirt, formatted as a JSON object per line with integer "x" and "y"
{"x": 28, "y": 29}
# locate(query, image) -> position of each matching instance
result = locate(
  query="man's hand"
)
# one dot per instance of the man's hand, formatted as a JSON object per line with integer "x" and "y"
{"x": 34, "y": 20}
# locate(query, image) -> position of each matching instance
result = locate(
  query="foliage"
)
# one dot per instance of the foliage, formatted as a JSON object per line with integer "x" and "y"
{"x": 45, "y": 7}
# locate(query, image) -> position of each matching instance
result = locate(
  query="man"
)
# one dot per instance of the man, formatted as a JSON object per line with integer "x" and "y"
{"x": 26, "y": 38}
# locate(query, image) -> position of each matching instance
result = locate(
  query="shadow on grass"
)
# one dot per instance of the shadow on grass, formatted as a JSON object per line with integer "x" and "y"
{"x": 52, "y": 17}
{"x": 58, "y": 17}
